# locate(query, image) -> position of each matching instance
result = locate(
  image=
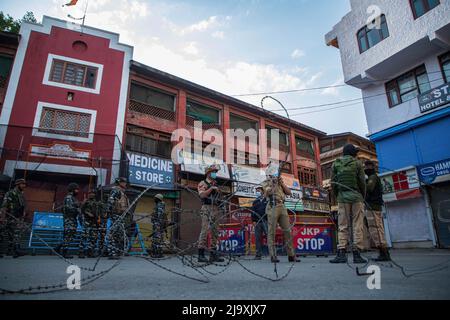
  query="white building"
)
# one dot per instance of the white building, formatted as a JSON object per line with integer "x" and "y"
{"x": 398, "y": 53}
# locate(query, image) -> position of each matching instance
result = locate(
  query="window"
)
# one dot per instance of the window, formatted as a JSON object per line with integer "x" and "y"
{"x": 408, "y": 86}
{"x": 73, "y": 74}
{"x": 283, "y": 138}
{"x": 65, "y": 122}
{"x": 237, "y": 122}
{"x": 326, "y": 148}
{"x": 367, "y": 38}
{"x": 202, "y": 113}
{"x": 420, "y": 7}
{"x": 152, "y": 97}
{"x": 326, "y": 172}
{"x": 5, "y": 69}
{"x": 305, "y": 147}
{"x": 308, "y": 176}
{"x": 445, "y": 65}
{"x": 148, "y": 146}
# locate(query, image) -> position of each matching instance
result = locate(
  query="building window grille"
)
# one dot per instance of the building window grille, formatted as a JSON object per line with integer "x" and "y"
{"x": 308, "y": 176}
{"x": 65, "y": 122}
{"x": 73, "y": 74}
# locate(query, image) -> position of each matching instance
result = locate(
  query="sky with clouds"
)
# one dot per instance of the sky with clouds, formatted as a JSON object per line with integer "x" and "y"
{"x": 233, "y": 46}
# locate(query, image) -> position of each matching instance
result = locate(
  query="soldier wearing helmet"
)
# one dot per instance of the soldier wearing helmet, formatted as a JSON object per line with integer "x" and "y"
{"x": 159, "y": 223}
{"x": 12, "y": 214}
{"x": 90, "y": 211}
{"x": 116, "y": 207}
{"x": 71, "y": 213}
{"x": 209, "y": 194}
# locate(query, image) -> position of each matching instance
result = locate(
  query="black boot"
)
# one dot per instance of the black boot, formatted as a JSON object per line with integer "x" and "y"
{"x": 357, "y": 257}
{"x": 1, "y": 256}
{"x": 384, "y": 255}
{"x": 214, "y": 257}
{"x": 201, "y": 256}
{"x": 274, "y": 260}
{"x": 81, "y": 255}
{"x": 341, "y": 257}
{"x": 294, "y": 259}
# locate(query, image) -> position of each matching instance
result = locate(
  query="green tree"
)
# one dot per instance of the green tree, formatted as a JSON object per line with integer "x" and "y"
{"x": 8, "y": 24}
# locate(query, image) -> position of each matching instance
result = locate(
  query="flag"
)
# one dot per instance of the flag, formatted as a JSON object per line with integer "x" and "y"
{"x": 71, "y": 3}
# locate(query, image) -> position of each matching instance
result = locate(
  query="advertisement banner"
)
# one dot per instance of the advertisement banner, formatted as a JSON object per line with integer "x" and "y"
{"x": 197, "y": 164}
{"x": 247, "y": 179}
{"x": 150, "y": 171}
{"x": 315, "y": 194}
{"x": 231, "y": 239}
{"x": 400, "y": 185}
{"x": 434, "y": 172}
{"x": 315, "y": 239}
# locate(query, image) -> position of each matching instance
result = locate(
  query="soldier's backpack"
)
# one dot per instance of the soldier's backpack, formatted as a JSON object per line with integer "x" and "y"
{"x": 346, "y": 176}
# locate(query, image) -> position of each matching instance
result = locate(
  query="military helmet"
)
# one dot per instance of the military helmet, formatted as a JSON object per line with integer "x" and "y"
{"x": 121, "y": 179}
{"x": 159, "y": 197}
{"x": 20, "y": 181}
{"x": 212, "y": 168}
{"x": 72, "y": 186}
{"x": 350, "y": 150}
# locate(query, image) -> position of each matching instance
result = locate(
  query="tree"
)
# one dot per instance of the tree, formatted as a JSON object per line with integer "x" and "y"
{"x": 8, "y": 24}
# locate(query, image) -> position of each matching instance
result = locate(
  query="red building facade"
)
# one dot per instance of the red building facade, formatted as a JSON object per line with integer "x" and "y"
{"x": 63, "y": 114}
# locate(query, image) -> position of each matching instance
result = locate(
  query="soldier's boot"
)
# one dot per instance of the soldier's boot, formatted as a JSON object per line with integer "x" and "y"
{"x": 214, "y": 257}
{"x": 90, "y": 253}
{"x": 274, "y": 260}
{"x": 384, "y": 255}
{"x": 341, "y": 257}
{"x": 81, "y": 254}
{"x": 357, "y": 257}
{"x": 17, "y": 252}
{"x": 1, "y": 256}
{"x": 294, "y": 259}
{"x": 201, "y": 256}
{"x": 58, "y": 249}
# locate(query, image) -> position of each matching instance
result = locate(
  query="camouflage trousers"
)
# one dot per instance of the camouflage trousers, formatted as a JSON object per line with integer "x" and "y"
{"x": 89, "y": 236}
{"x": 10, "y": 234}
{"x": 101, "y": 234}
{"x": 70, "y": 230}
{"x": 157, "y": 238}
{"x": 116, "y": 236}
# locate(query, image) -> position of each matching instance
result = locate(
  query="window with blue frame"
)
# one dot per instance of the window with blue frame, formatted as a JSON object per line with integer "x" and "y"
{"x": 420, "y": 7}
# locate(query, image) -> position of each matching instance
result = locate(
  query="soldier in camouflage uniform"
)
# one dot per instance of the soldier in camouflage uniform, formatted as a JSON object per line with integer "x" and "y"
{"x": 275, "y": 191}
{"x": 12, "y": 215}
{"x": 117, "y": 205}
{"x": 159, "y": 223}
{"x": 102, "y": 223}
{"x": 71, "y": 211}
{"x": 90, "y": 211}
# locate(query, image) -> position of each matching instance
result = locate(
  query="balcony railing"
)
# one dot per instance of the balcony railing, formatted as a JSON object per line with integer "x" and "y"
{"x": 151, "y": 110}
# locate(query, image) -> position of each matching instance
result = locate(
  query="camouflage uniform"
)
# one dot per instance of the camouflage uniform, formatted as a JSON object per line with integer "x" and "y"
{"x": 116, "y": 206}
{"x": 13, "y": 208}
{"x": 159, "y": 225}
{"x": 90, "y": 211}
{"x": 102, "y": 228}
{"x": 71, "y": 211}
{"x": 276, "y": 213}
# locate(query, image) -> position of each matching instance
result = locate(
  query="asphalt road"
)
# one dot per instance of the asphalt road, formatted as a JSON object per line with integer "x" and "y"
{"x": 313, "y": 278}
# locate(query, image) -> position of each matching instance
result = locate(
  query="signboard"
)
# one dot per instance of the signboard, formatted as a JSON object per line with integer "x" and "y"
{"x": 316, "y": 239}
{"x": 247, "y": 179}
{"x": 150, "y": 171}
{"x": 45, "y": 220}
{"x": 59, "y": 151}
{"x": 311, "y": 205}
{"x": 435, "y": 98}
{"x": 434, "y": 172}
{"x": 231, "y": 239}
{"x": 195, "y": 164}
{"x": 400, "y": 185}
{"x": 315, "y": 194}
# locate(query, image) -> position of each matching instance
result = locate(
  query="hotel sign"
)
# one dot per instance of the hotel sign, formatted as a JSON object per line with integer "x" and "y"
{"x": 435, "y": 98}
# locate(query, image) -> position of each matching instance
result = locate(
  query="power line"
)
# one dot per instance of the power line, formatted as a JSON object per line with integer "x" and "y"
{"x": 322, "y": 87}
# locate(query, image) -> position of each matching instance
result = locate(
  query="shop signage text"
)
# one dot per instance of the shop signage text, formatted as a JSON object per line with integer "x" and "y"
{"x": 434, "y": 98}
{"x": 150, "y": 171}
{"x": 435, "y": 172}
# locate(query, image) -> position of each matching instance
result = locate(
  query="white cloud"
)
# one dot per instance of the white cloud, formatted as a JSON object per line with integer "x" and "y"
{"x": 218, "y": 34}
{"x": 333, "y": 90}
{"x": 191, "y": 49}
{"x": 297, "y": 54}
{"x": 200, "y": 26}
